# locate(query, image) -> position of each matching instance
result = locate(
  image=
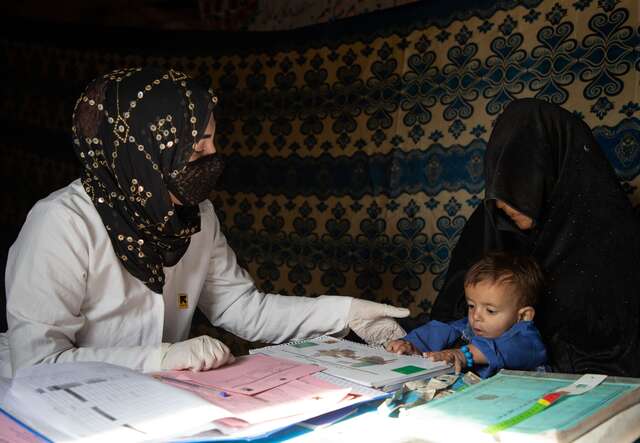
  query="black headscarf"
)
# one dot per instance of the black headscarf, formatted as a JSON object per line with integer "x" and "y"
{"x": 134, "y": 131}
{"x": 544, "y": 162}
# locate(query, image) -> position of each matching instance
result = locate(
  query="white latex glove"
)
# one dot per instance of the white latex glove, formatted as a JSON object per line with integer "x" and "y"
{"x": 374, "y": 323}
{"x": 198, "y": 354}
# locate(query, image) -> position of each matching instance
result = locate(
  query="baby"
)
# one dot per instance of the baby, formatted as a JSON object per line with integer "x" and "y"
{"x": 498, "y": 332}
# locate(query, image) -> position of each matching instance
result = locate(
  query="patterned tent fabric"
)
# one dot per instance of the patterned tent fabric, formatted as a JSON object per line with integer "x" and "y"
{"x": 278, "y": 15}
{"x": 354, "y": 160}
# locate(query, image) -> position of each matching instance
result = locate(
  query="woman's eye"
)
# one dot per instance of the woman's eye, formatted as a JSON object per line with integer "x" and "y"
{"x": 491, "y": 311}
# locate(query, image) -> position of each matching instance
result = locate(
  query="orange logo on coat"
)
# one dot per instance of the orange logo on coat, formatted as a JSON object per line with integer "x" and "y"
{"x": 183, "y": 301}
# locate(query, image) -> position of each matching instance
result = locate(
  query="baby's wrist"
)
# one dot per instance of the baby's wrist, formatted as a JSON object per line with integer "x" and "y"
{"x": 468, "y": 356}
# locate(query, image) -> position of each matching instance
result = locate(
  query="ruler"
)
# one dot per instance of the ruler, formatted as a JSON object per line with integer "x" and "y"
{"x": 584, "y": 384}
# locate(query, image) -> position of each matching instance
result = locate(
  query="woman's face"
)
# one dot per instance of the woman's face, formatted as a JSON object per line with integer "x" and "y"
{"x": 522, "y": 221}
{"x": 203, "y": 148}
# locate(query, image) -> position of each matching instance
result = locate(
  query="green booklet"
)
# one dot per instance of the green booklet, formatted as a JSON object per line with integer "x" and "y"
{"x": 466, "y": 415}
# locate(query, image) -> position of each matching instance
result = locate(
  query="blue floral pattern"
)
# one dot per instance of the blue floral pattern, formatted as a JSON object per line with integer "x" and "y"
{"x": 355, "y": 158}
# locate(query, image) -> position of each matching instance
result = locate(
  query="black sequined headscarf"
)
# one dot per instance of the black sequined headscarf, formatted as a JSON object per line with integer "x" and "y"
{"x": 134, "y": 132}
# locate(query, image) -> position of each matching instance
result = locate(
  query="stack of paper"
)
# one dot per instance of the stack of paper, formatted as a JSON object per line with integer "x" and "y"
{"x": 264, "y": 394}
{"x": 362, "y": 364}
{"x": 254, "y": 396}
{"x": 103, "y": 402}
{"x": 357, "y": 396}
{"x": 259, "y": 388}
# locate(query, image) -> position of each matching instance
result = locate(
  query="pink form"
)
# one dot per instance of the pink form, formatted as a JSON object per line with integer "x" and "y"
{"x": 10, "y": 431}
{"x": 256, "y": 388}
{"x": 249, "y": 374}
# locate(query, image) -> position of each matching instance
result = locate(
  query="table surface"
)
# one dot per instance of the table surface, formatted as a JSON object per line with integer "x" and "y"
{"x": 368, "y": 424}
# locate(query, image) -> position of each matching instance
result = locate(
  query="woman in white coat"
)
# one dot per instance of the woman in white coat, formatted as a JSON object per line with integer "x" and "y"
{"x": 112, "y": 267}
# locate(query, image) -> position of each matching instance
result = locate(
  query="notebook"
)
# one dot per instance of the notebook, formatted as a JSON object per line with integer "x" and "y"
{"x": 358, "y": 363}
{"x": 100, "y": 402}
{"x": 466, "y": 415}
{"x": 97, "y": 402}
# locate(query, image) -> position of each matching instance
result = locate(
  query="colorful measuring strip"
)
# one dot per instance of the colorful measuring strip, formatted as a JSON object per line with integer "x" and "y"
{"x": 539, "y": 406}
{"x": 580, "y": 386}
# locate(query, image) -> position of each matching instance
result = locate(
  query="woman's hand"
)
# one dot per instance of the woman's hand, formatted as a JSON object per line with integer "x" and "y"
{"x": 374, "y": 323}
{"x": 198, "y": 354}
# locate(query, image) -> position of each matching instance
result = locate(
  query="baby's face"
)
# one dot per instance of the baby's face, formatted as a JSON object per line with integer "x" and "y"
{"x": 493, "y": 309}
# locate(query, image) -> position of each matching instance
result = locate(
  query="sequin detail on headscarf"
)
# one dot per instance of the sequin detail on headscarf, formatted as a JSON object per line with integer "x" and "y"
{"x": 134, "y": 129}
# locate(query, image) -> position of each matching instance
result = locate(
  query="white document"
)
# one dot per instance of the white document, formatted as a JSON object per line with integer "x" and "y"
{"x": 5, "y": 384}
{"x": 366, "y": 365}
{"x": 103, "y": 402}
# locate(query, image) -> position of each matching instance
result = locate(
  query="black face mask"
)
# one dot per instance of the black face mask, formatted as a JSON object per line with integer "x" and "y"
{"x": 194, "y": 184}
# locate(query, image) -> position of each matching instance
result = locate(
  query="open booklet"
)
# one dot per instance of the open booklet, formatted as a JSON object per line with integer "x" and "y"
{"x": 506, "y": 403}
{"x": 359, "y": 363}
{"x": 90, "y": 401}
{"x": 100, "y": 402}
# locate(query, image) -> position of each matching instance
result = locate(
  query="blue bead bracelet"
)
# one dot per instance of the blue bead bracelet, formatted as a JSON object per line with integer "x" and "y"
{"x": 468, "y": 355}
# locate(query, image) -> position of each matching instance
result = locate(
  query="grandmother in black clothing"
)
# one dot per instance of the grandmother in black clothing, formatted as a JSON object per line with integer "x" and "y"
{"x": 551, "y": 193}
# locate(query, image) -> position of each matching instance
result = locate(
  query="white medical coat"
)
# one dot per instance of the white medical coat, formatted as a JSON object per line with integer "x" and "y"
{"x": 70, "y": 299}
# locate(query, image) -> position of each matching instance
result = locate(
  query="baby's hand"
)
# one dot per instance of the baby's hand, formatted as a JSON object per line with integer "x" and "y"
{"x": 401, "y": 347}
{"x": 452, "y": 356}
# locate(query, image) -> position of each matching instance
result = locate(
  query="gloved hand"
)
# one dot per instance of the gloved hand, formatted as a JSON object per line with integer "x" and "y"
{"x": 198, "y": 354}
{"x": 373, "y": 322}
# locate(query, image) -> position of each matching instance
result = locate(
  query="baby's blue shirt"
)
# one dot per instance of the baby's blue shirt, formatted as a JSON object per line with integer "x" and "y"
{"x": 520, "y": 347}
